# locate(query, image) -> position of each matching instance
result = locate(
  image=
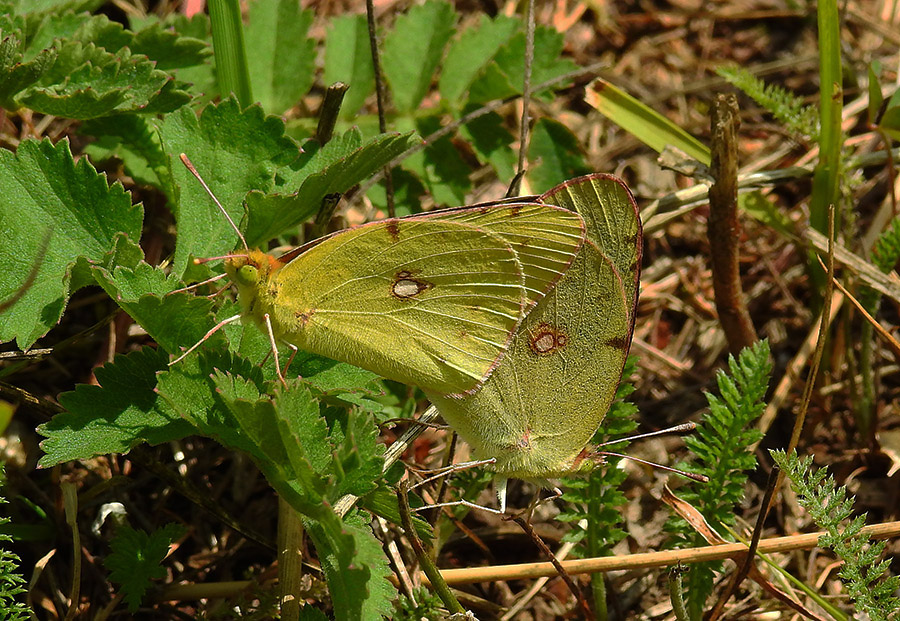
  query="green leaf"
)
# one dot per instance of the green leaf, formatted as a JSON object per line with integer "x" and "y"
{"x": 174, "y": 321}
{"x": 234, "y": 151}
{"x": 277, "y": 442}
{"x": 440, "y": 167}
{"x": 135, "y": 559}
{"x": 133, "y": 140}
{"x": 471, "y": 52}
{"x": 758, "y": 205}
{"x": 42, "y": 188}
{"x": 123, "y": 411}
{"x": 645, "y": 124}
{"x": 556, "y": 154}
{"x": 335, "y": 168}
{"x": 189, "y": 388}
{"x": 348, "y": 59}
{"x": 86, "y": 81}
{"x": 310, "y": 613}
{"x": 169, "y": 48}
{"x": 17, "y": 73}
{"x": 201, "y": 77}
{"x": 38, "y": 7}
{"x": 492, "y": 142}
{"x": 280, "y": 57}
{"x": 826, "y": 188}
{"x": 890, "y": 122}
{"x": 505, "y": 76}
{"x": 547, "y": 64}
{"x": 358, "y": 458}
{"x": 413, "y": 50}
{"x": 354, "y": 567}
{"x": 492, "y": 85}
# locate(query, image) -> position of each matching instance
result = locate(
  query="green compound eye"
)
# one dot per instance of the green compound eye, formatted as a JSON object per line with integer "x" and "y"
{"x": 247, "y": 275}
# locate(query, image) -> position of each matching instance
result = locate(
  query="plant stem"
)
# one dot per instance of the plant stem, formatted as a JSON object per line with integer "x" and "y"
{"x": 725, "y": 227}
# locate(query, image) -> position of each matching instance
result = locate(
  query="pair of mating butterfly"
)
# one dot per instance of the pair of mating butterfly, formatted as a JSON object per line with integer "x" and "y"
{"x": 514, "y": 318}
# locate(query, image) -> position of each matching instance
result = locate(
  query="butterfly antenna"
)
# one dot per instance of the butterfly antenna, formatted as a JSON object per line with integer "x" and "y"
{"x": 690, "y": 475}
{"x": 198, "y": 284}
{"x": 187, "y": 163}
{"x": 676, "y": 430}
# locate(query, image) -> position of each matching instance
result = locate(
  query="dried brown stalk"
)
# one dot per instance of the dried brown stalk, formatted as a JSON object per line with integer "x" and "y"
{"x": 725, "y": 228}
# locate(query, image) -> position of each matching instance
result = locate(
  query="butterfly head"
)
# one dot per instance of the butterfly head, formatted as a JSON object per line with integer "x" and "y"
{"x": 251, "y": 272}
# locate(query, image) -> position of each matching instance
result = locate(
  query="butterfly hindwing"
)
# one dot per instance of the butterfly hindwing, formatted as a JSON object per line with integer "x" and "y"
{"x": 545, "y": 400}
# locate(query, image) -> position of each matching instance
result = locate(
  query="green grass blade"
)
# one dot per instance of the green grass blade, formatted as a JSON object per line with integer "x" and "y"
{"x": 647, "y": 125}
{"x": 231, "y": 55}
{"x": 826, "y": 179}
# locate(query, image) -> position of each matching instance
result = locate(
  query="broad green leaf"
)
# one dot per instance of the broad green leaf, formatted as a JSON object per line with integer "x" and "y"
{"x": 413, "y": 50}
{"x": 492, "y": 85}
{"x": 440, "y": 167}
{"x": 169, "y": 49}
{"x": 348, "y": 59}
{"x": 275, "y": 450}
{"x": 645, "y": 124}
{"x": 548, "y": 62}
{"x": 302, "y": 430}
{"x": 334, "y": 169}
{"x": 174, "y": 321}
{"x": 86, "y": 81}
{"x": 234, "y": 151}
{"x": 471, "y": 52}
{"x": 201, "y": 76}
{"x": 354, "y": 567}
{"x": 123, "y": 411}
{"x": 492, "y": 142}
{"x": 36, "y": 7}
{"x": 358, "y": 456}
{"x": 18, "y": 73}
{"x": 311, "y": 613}
{"x": 505, "y": 76}
{"x": 408, "y": 193}
{"x": 556, "y": 154}
{"x": 59, "y": 27}
{"x": 136, "y": 559}
{"x": 132, "y": 139}
{"x": 42, "y": 191}
{"x": 280, "y": 57}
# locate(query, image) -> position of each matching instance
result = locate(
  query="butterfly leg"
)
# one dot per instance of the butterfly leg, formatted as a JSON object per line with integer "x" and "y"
{"x": 294, "y": 350}
{"x": 271, "y": 333}
{"x": 206, "y": 336}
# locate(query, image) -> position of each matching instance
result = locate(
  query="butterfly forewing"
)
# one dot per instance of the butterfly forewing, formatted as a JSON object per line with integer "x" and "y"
{"x": 425, "y": 302}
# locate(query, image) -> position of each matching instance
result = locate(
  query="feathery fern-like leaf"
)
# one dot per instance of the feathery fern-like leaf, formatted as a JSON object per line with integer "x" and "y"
{"x": 782, "y": 104}
{"x": 829, "y": 506}
{"x": 11, "y": 581}
{"x": 722, "y": 447}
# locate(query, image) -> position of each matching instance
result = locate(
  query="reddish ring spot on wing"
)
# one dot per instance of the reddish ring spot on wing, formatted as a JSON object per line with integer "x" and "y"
{"x": 406, "y": 287}
{"x": 547, "y": 339}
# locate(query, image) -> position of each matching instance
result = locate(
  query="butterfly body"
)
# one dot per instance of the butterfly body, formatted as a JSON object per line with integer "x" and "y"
{"x": 540, "y": 407}
{"x": 431, "y": 300}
